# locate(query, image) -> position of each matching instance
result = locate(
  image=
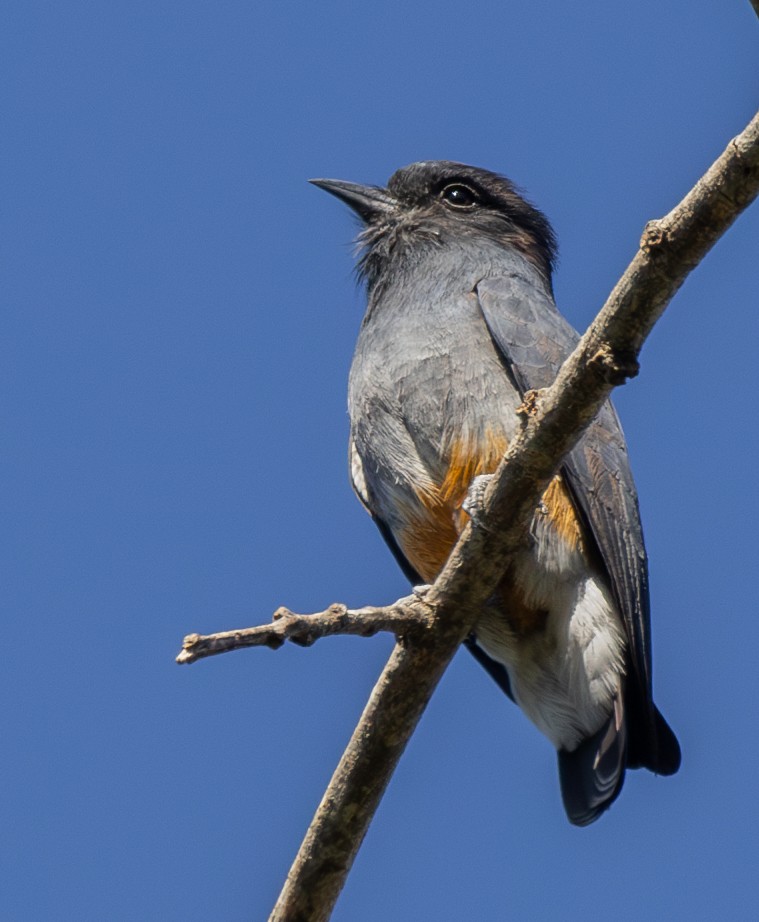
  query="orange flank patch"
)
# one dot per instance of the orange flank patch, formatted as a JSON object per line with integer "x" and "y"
{"x": 435, "y": 524}
{"x": 465, "y": 464}
{"x": 437, "y": 519}
{"x": 428, "y": 539}
{"x": 562, "y": 513}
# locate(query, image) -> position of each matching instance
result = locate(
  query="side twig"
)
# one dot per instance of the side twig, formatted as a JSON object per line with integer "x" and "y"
{"x": 400, "y": 618}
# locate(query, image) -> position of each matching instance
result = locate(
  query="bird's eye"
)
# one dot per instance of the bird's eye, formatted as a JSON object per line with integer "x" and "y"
{"x": 459, "y": 195}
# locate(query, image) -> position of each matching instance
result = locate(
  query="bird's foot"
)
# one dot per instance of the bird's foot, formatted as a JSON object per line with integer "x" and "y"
{"x": 474, "y": 502}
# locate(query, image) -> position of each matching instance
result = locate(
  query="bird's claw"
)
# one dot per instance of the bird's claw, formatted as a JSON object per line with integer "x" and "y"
{"x": 475, "y": 498}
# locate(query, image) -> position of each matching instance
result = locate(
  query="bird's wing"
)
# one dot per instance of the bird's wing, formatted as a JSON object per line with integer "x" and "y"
{"x": 361, "y": 489}
{"x": 534, "y": 339}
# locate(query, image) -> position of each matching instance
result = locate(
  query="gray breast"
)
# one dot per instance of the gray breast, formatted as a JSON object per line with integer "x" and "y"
{"x": 426, "y": 373}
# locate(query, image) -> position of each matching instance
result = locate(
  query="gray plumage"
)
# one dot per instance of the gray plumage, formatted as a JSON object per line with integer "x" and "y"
{"x": 460, "y": 323}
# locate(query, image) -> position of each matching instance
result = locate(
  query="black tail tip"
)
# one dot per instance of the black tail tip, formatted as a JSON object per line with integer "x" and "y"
{"x": 592, "y": 775}
{"x": 668, "y": 755}
{"x": 654, "y": 746}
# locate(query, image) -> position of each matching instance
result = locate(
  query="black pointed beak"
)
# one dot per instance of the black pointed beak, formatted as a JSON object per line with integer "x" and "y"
{"x": 369, "y": 202}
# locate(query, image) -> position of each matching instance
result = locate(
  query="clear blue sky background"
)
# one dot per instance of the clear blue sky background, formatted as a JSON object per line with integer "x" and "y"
{"x": 177, "y": 324}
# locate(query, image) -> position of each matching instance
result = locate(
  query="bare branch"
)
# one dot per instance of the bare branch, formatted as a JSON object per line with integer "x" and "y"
{"x": 403, "y": 617}
{"x": 605, "y": 356}
{"x": 554, "y": 420}
{"x": 755, "y": 4}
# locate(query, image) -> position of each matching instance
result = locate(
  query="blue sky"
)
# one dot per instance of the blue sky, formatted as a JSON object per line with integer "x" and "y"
{"x": 178, "y": 319}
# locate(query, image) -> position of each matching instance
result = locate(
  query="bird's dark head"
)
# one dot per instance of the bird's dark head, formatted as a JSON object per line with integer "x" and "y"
{"x": 436, "y": 201}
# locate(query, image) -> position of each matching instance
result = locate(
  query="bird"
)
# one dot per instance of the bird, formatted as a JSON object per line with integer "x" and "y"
{"x": 460, "y": 323}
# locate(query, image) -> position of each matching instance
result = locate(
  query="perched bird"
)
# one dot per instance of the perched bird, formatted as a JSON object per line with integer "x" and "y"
{"x": 461, "y": 322}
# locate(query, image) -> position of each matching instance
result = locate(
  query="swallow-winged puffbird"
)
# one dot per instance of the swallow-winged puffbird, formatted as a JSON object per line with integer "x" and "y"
{"x": 460, "y": 323}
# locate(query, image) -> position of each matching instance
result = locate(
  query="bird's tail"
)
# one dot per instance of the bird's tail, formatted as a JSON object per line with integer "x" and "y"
{"x": 592, "y": 775}
{"x": 657, "y": 749}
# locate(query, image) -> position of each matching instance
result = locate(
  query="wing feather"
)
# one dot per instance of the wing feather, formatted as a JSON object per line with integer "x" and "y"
{"x": 533, "y": 340}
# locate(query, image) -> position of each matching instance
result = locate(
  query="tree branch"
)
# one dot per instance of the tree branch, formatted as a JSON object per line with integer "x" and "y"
{"x": 554, "y": 420}
{"x": 401, "y": 618}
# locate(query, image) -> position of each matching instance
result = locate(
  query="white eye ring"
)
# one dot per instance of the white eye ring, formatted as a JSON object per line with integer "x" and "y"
{"x": 459, "y": 195}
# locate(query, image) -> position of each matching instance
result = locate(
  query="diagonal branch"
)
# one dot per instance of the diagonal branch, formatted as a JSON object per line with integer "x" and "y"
{"x": 669, "y": 250}
{"x": 553, "y": 423}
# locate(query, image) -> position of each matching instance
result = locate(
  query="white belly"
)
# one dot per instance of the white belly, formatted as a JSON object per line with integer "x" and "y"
{"x": 565, "y": 676}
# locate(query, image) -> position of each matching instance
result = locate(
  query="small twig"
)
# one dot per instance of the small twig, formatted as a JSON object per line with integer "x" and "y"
{"x": 403, "y": 617}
